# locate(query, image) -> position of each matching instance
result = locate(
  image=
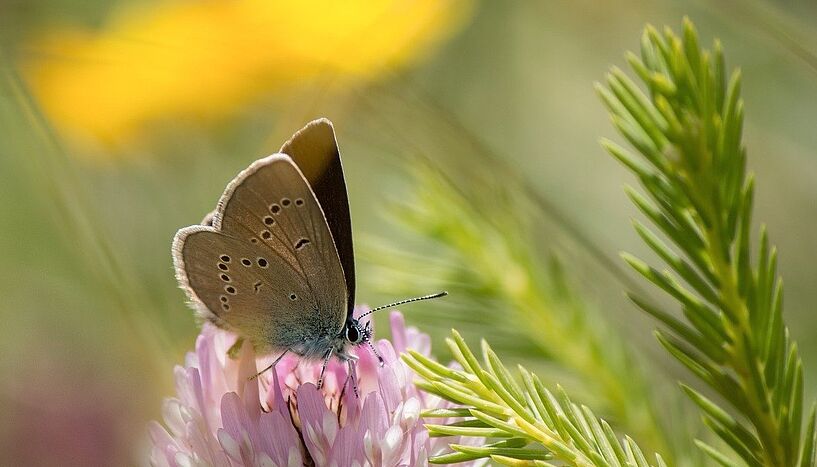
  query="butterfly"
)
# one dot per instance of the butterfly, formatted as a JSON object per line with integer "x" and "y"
{"x": 274, "y": 263}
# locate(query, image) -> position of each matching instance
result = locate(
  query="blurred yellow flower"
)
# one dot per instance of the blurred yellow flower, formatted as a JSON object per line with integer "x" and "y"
{"x": 204, "y": 59}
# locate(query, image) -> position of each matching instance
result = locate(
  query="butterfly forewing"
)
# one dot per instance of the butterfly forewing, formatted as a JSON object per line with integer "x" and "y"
{"x": 315, "y": 150}
{"x": 268, "y": 267}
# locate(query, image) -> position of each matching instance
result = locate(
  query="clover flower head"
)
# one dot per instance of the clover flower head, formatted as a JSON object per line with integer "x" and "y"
{"x": 220, "y": 417}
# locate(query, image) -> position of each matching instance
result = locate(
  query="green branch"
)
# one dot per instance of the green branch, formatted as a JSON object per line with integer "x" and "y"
{"x": 687, "y": 129}
{"x": 533, "y": 424}
{"x": 489, "y": 259}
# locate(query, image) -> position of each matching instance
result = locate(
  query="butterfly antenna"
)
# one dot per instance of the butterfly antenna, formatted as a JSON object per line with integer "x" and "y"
{"x": 403, "y": 302}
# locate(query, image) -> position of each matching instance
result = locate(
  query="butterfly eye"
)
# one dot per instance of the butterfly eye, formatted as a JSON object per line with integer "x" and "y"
{"x": 353, "y": 334}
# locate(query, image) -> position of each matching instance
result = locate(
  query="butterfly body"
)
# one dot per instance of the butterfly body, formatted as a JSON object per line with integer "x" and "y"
{"x": 314, "y": 348}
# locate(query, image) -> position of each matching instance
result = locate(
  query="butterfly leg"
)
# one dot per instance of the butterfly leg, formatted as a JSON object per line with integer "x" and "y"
{"x": 351, "y": 363}
{"x": 323, "y": 367}
{"x": 376, "y": 353}
{"x": 368, "y": 334}
{"x": 269, "y": 367}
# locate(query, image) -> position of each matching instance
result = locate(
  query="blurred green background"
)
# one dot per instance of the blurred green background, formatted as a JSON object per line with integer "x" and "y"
{"x": 122, "y": 121}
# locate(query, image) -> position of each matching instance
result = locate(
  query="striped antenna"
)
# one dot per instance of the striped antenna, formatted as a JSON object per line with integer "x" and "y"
{"x": 403, "y": 302}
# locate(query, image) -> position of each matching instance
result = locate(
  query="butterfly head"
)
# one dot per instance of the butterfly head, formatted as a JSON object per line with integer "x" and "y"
{"x": 356, "y": 334}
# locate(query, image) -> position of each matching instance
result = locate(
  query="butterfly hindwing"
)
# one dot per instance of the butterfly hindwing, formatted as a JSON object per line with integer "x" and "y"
{"x": 228, "y": 285}
{"x": 267, "y": 268}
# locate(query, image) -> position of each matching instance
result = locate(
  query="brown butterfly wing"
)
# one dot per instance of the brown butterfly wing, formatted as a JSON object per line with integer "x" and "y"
{"x": 267, "y": 268}
{"x": 315, "y": 150}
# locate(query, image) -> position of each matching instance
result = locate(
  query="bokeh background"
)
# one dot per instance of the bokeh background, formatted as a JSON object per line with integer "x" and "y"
{"x": 469, "y": 132}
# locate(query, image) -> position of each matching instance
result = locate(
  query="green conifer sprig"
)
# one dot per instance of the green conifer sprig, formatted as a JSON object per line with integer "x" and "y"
{"x": 533, "y": 424}
{"x": 488, "y": 257}
{"x": 687, "y": 129}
